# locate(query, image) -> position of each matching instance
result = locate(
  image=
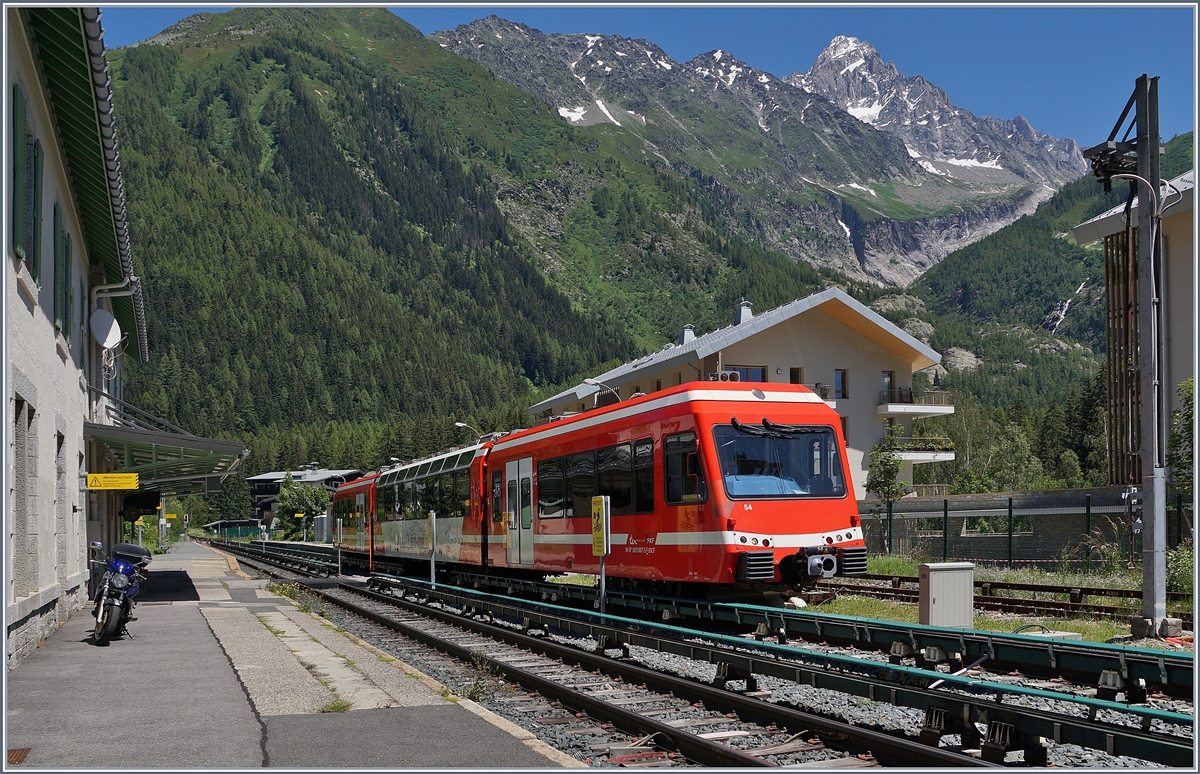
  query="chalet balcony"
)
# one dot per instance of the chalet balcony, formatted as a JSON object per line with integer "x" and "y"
{"x": 825, "y": 391}
{"x": 904, "y": 402}
{"x": 924, "y": 449}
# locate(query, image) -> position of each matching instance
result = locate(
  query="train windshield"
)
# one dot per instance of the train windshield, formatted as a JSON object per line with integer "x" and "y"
{"x": 779, "y": 461}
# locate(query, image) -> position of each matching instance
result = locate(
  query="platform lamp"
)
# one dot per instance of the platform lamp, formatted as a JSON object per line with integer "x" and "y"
{"x": 464, "y": 424}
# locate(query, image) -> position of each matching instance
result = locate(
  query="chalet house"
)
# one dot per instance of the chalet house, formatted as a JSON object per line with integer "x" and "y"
{"x": 858, "y": 361}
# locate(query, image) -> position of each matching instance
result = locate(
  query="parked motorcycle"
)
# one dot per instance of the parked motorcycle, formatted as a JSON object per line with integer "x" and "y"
{"x": 123, "y": 574}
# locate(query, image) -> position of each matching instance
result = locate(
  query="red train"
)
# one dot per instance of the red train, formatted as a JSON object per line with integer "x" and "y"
{"x": 709, "y": 483}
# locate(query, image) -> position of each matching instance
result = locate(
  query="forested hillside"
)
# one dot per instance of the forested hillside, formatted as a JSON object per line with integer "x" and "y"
{"x": 319, "y": 204}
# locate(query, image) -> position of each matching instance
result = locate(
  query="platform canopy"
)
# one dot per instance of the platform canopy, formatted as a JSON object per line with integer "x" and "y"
{"x": 166, "y": 458}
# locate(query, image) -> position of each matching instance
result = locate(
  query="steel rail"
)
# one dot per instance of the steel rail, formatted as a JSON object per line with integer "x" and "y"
{"x": 883, "y": 746}
{"x": 1168, "y": 671}
{"x": 904, "y": 686}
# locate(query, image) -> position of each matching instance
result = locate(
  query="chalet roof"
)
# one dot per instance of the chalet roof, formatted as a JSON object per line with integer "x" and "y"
{"x": 1113, "y": 221}
{"x": 833, "y": 301}
{"x": 303, "y": 476}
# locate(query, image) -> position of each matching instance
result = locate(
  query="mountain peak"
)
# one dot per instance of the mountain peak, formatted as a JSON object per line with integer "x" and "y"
{"x": 944, "y": 139}
{"x": 843, "y": 46}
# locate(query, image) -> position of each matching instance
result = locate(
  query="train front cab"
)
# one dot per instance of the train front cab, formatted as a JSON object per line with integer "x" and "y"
{"x": 778, "y": 486}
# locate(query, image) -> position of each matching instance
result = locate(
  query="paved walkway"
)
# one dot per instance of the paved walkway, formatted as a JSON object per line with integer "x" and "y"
{"x": 222, "y": 674}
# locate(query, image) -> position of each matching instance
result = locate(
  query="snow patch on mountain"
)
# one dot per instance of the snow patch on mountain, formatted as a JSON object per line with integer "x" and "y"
{"x": 990, "y": 164}
{"x": 574, "y": 115}
{"x": 868, "y": 114}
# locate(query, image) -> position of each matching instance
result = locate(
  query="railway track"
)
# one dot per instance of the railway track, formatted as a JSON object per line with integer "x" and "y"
{"x": 1112, "y": 670}
{"x": 631, "y": 716}
{"x": 1141, "y": 732}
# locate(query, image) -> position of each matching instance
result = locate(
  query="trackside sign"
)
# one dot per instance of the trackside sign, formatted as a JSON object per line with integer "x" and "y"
{"x": 112, "y": 481}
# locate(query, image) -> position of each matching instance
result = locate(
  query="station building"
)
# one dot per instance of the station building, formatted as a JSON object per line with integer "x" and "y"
{"x": 73, "y": 311}
{"x": 861, "y": 364}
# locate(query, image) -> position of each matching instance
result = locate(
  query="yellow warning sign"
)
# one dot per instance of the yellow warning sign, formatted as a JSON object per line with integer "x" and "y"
{"x": 139, "y": 523}
{"x": 112, "y": 481}
{"x": 171, "y": 516}
{"x": 601, "y": 545}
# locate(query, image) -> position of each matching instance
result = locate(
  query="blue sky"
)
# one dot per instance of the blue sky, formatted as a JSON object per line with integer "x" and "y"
{"x": 1069, "y": 70}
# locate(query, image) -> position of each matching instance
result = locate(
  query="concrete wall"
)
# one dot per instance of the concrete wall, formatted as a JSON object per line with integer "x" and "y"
{"x": 45, "y": 395}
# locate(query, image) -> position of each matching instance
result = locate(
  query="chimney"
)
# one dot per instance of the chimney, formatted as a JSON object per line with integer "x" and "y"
{"x": 743, "y": 312}
{"x": 688, "y": 334}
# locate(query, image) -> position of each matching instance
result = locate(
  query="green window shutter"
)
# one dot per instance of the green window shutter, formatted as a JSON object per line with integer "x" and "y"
{"x": 20, "y": 163}
{"x": 59, "y": 272}
{"x": 68, "y": 319}
{"x": 83, "y": 316}
{"x": 33, "y": 218}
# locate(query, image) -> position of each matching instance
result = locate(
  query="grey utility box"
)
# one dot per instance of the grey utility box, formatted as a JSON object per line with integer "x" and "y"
{"x": 947, "y": 594}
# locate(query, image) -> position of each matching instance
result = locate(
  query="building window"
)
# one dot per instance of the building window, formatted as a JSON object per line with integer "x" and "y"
{"x": 841, "y": 384}
{"x": 846, "y": 430}
{"x": 749, "y": 373}
{"x": 24, "y": 489}
{"x": 678, "y": 378}
{"x": 796, "y": 375}
{"x": 657, "y": 385}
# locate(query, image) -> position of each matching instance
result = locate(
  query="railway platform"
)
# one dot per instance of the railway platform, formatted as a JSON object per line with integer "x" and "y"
{"x": 220, "y": 673}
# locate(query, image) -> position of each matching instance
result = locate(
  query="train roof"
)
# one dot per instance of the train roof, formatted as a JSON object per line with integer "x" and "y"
{"x": 750, "y": 393}
{"x": 442, "y": 462}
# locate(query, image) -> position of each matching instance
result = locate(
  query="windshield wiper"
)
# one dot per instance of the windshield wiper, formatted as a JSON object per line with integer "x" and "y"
{"x": 791, "y": 429}
{"x": 771, "y": 429}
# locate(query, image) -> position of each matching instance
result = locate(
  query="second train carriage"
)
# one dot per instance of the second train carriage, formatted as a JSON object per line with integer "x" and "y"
{"x": 709, "y": 483}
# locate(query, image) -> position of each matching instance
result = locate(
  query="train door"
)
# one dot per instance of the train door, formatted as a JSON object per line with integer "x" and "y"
{"x": 519, "y": 511}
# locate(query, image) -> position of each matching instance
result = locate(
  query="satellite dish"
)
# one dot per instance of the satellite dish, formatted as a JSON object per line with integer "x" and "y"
{"x": 105, "y": 329}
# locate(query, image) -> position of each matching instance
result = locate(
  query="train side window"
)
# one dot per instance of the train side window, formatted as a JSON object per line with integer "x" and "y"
{"x": 497, "y": 495}
{"x": 526, "y": 503}
{"x": 511, "y": 508}
{"x": 552, "y": 488}
{"x": 683, "y": 472}
{"x": 445, "y": 506}
{"x": 384, "y": 500}
{"x": 419, "y": 499}
{"x": 614, "y": 472}
{"x": 462, "y": 494}
{"x": 409, "y": 501}
{"x": 643, "y": 476}
{"x": 581, "y": 480}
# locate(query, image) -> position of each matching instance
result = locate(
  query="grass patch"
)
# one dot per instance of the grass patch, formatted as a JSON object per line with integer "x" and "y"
{"x": 289, "y": 590}
{"x": 386, "y": 659}
{"x": 573, "y": 579}
{"x": 337, "y": 705}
